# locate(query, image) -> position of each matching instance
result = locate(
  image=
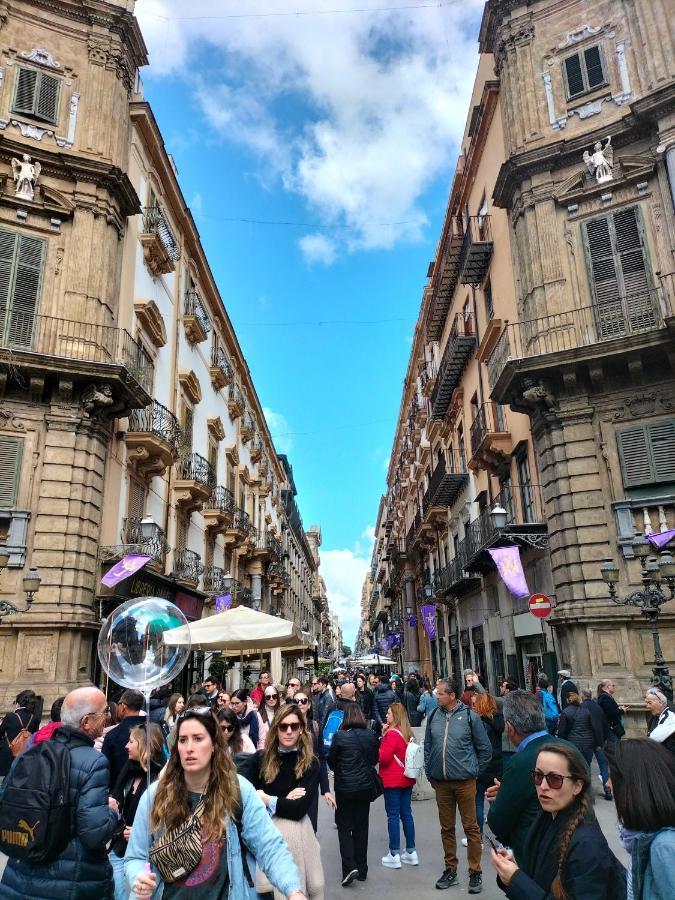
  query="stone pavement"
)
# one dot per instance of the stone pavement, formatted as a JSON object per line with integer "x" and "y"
{"x": 417, "y": 883}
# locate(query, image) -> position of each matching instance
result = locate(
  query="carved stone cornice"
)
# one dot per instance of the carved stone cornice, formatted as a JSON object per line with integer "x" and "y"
{"x": 190, "y": 386}
{"x": 216, "y": 428}
{"x": 148, "y": 314}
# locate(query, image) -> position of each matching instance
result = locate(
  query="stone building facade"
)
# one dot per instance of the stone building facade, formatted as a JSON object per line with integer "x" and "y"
{"x": 129, "y": 421}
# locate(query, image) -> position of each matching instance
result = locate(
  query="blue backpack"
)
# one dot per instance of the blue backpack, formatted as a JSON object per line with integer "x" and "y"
{"x": 551, "y": 712}
{"x": 333, "y": 723}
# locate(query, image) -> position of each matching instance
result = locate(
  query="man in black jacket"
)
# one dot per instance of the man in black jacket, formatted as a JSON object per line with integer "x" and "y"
{"x": 565, "y": 687}
{"x": 116, "y": 740}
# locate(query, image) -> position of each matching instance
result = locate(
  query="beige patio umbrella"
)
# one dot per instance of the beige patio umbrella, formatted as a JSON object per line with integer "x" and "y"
{"x": 238, "y": 631}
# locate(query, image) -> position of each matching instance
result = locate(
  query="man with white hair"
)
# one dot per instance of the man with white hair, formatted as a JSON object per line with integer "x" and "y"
{"x": 82, "y": 870}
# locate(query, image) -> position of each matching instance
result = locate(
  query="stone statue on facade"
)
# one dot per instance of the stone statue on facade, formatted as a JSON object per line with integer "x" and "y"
{"x": 601, "y": 162}
{"x": 26, "y": 173}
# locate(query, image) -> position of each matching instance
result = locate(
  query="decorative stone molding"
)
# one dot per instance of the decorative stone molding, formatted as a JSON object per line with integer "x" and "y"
{"x": 9, "y": 420}
{"x": 638, "y": 406}
{"x": 216, "y": 428}
{"x": 622, "y": 66}
{"x": 32, "y": 131}
{"x": 232, "y": 454}
{"x": 580, "y": 186}
{"x": 190, "y": 386}
{"x": 148, "y": 314}
{"x": 68, "y": 141}
{"x": 42, "y": 57}
{"x": 580, "y": 34}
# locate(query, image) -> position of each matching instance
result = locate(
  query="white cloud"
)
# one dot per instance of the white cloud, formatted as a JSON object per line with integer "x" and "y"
{"x": 354, "y": 113}
{"x": 317, "y": 248}
{"x": 279, "y": 429}
{"x": 344, "y": 572}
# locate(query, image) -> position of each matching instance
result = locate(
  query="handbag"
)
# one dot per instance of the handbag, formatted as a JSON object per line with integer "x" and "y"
{"x": 617, "y": 728}
{"x": 178, "y": 851}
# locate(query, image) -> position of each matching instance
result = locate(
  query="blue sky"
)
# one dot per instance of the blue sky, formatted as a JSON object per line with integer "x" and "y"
{"x": 347, "y": 123}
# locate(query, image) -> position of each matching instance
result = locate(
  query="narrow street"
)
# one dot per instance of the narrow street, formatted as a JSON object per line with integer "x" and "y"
{"x": 418, "y": 882}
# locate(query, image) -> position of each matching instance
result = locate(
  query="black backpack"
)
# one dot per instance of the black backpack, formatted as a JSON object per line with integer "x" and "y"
{"x": 35, "y": 810}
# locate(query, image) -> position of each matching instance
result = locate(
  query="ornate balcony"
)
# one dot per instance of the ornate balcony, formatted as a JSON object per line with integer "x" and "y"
{"x": 112, "y": 370}
{"x": 491, "y": 443}
{"x": 533, "y": 347}
{"x": 195, "y": 320}
{"x": 453, "y": 580}
{"x": 195, "y": 481}
{"x": 447, "y": 481}
{"x": 278, "y": 577}
{"x": 268, "y": 546}
{"x": 219, "y": 509}
{"x": 476, "y": 252}
{"x": 213, "y": 580}
{"x": 247, "y": 427}
{"x": 256, "y": 449}
{"x": 238, "y": 530}
{"x": 156, "y": 547}
{"x": 244, "y": 597}
{"x": 187, "y": 567}
{"x": 460, "y": 345}
{"x": 444, "y": 276}
{"x": 235, "y": 402}
{"x": 159, "y": 245}
{"x": 152, "y": 439}
{"x": 525, "y": 525}
{"x": 221, "y": 370}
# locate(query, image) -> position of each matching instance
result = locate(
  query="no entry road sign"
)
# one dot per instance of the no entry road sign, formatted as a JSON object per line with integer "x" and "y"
{"x": 540, "y": 606}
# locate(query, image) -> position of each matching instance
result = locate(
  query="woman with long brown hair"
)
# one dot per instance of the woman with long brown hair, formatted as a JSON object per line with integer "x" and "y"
{"x": 287, "y": 783}
{"x": 396, "y": 734}
{"x": 566, "y": 856}
{"x": 200, "y": 784}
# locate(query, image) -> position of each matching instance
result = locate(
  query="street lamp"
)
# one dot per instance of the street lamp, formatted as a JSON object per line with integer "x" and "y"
{"x": 428, "y": 591}
{"x": 499, "y": 516}
{"x": 30, "y": 583}
{"x": 655, "y": 575}
{"x": 148, "y": 529}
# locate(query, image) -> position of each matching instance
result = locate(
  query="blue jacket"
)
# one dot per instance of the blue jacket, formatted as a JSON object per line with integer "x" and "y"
{"x": 652, "y": 869}
{"x": 427, "y": 704}
{"x": 259, "y": 834}
{"x": 456, "y": 745}
{"x": 82, "y": 871}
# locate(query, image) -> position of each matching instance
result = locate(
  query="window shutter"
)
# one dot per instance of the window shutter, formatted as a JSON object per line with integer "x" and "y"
{"x": 213, "y": 456}
{"x": 26, "y": 89}
{"x": 25, "y": 290}
{"x": 634, "y": 456}
{"x": 574, "y": 75}
{"x": 47, "y": 100}
{"x": 636, "y": 286}
{"x": 182, "y": 525}
{"x": 604, "y": 277}
{"x": 10, "y": 468}
{"x": 188, "y": 427}
{"x": 136, "y": 505}
{"x": 662, "y": 445}
{"x": 594, "y": 73}
{"x": 7, "y": 248}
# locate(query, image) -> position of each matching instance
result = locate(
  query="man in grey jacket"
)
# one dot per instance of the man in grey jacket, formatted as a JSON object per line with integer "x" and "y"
{"x": 456, "y": 750}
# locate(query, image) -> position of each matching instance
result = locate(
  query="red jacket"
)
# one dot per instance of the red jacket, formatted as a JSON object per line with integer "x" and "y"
{"x": 257, "y": 694}
{"x": 391, "y": 773}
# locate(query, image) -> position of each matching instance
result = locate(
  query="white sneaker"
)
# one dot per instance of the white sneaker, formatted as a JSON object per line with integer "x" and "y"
{"x": 391, "y": 861}
{"x": 465, "y": 842}
{"x": 410, "y": 859}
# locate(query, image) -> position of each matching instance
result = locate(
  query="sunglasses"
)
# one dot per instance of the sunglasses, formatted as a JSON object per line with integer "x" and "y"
{"x": 295, "y": 684}
{"x": 195, "y": 711}
{"x": 301, "y": 700}
{"x": 229, "y": 728}
{"x": 289, "y": 726}
{"x": 271, "y": 696}
{"x": 553, "y": 780}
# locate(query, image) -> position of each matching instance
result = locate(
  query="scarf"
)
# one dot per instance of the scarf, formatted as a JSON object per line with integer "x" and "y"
{"x": 627, "y": 839}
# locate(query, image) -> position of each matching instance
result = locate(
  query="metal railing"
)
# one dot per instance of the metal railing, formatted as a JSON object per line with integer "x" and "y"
{"x": 234, "y": 393}
{"x": 241, "y": 521}
{"x": 248, "y": 422}
{"x": 272, "y": 544}
{"x": 455, "y": 354}
{"x": 158, "y": 420}
{"x": 618, "y": 317}
{"x": 213, "y": 581}
{"x": 477, "y": 237}
{"x": 523, "y": 505}
{"x": 154, "y": 222}
{"x": 220, "y": 361}
{"x": 490, "y": 418}
{"x": 222, "y": 499}
{"x": 82, "y": 341}
{"x": 244, "y": 597}
{"x": 187, "y": 565}
{"x": 155, "y": 547}
{"x": 193, "y": 307}
{"x": 427, "y": 372}
{"x": 452, "y": 463}
{"x": 196, "y": 468}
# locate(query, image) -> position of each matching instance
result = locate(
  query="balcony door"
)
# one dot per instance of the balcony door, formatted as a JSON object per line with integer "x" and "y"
{"x": 21, "y": 265}
{"x": 618, "y": 271}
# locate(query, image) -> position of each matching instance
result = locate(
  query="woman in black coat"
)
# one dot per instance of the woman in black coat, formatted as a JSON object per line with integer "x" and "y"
{"x": 579, "y": 726}
{"x": 411, "y": 700}
{"x": 24, "y": 716}
{"x": 566, "y": 854}
{"x": 352, "y": 755}
{"x": 364, "y": 698}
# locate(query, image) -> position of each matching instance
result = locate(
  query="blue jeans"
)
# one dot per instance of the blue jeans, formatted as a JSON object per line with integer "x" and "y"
{"x": 122, "y": 889}
{"x": 398, "y": 804}
{"x": 480, "y": 804}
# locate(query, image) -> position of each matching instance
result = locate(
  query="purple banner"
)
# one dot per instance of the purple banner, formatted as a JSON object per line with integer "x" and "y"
{"x": 395, "y": 640}
{"x": 411, "y": 621}
{"x": 429, "y": 620}
{"x": 223, "y": 602}
{"x": 125, "y": 568}
{"x": 661, "y": 538}
{"x": 507, "y": 560}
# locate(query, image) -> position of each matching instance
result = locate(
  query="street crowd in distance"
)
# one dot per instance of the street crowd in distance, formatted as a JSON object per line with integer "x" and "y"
{"x": 216, "y": 795}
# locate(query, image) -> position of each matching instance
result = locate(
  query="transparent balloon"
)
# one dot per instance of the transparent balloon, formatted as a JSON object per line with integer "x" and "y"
{"x": 131, "y": 644}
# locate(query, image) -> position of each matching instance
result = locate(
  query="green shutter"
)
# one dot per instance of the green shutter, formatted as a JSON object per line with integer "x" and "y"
{"x": 594, "y": 73}
{"x": 647, "y": 453}
{"x": 25, "y": 92}
{"x": 188, "y": 427}
{"x": 10, "y": 469}
{"x": 21, "y": 264}
{"x": 47, "y": 100}
{"x": 630, "y": 246}
{"x": 574, "y": 76}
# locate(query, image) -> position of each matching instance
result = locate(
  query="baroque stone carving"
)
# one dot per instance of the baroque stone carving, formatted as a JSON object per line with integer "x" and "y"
{"x": 600, "y": 163}
{"x": 574, "y": 37}
{"x": 537, "y": 394}
{"x": 640, "y": 405}
{"x": 42, "y": 57}
{"x": 9, "y": 420}
{"x": 32, "y": 131}
{"x": 96, "y": 397}
{"x": 26, "y": 173}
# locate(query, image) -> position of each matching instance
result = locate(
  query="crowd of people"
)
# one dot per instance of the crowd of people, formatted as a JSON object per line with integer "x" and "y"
{"x": 217, "y": 793}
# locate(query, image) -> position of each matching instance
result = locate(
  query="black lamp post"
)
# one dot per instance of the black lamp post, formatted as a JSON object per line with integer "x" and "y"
{"x": 656, "y": 574}
{"x": 30, "y": 583}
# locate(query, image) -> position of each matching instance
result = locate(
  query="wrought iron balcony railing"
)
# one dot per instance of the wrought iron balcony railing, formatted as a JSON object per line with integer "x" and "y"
{"x": 222, "y": 499}
{"x": 187, "y": 565}
{"x": 195, "y": 468}
{"x": 241, "y": 521}
{"x": 154, "y": 222}
{"x": 617, "y": 317}
{"x": 447, "y": 480}
{"x": 460, "y": 345}
{"x": 213, "y": 580}
{"x": 158, "y": 420}
{"x": 476, "y": 249}
{"x": 194, "y": 307}
{"x": 81, "y": 341}
{"x": 156, "y": 547}
{"x": 490, "y": 419}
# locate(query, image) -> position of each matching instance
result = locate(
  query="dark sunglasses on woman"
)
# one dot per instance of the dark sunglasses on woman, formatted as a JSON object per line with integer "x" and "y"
{"x": 553, "y": 780}
{"x": 289, "y": 726}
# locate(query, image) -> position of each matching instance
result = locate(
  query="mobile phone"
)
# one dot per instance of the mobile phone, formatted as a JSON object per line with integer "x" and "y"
{"x": 493, "y": 842}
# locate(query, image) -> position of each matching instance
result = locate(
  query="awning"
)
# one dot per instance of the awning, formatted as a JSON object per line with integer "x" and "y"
{"x": 238, "y": 631}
